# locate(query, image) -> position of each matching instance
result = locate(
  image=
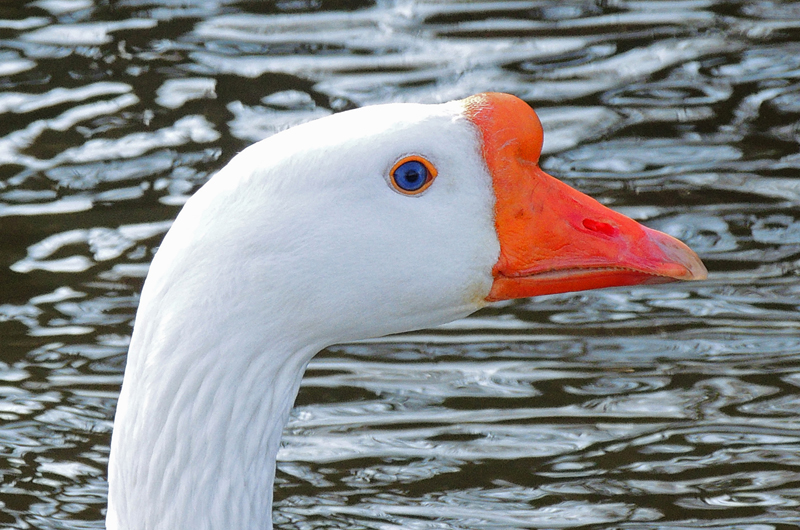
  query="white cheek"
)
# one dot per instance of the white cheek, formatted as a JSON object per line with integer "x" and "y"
{"x": 442, "y": 244}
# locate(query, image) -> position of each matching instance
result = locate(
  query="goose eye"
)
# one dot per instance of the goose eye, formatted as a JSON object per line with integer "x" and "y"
{"x": 412, "y": 175}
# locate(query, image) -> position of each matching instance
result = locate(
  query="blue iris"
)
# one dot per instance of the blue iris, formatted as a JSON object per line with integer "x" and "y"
{"x": 411, "y": 175}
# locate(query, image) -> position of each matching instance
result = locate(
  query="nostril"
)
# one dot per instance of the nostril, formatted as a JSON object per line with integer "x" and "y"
{"x": 600, "y": 227}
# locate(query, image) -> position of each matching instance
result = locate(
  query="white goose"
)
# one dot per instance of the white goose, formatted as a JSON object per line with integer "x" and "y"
{"x": 374, "y": 221}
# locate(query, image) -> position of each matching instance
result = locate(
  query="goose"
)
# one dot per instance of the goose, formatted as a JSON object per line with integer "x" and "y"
{"x": 373, "y": 221}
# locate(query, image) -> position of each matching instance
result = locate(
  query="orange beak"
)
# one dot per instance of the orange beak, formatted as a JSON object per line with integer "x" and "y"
{"x": 554, "y": 239}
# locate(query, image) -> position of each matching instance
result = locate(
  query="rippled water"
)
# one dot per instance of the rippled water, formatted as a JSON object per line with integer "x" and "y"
{"x": 669, "y": 407}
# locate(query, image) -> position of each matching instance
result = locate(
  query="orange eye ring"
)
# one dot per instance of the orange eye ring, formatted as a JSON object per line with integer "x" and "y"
{"x": 411, "y": 175}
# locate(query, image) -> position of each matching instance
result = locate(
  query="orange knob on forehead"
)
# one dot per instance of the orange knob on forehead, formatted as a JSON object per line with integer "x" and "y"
{"x": 553, "y": 238}
{"x": 508, "y": 125}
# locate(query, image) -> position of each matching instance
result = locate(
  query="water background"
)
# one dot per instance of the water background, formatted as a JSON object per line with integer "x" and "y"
{"x": 666, "y": 407}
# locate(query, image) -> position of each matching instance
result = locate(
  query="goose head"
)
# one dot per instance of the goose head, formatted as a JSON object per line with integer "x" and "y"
{"x": 373, "y": 221}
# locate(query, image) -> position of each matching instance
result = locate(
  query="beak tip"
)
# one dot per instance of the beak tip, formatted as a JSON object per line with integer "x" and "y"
{"x": 697, "y": 270}
{"x": 680, "y": 254}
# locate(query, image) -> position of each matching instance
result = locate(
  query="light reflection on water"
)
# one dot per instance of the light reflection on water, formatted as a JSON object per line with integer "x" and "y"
{"x": 670, "y": 407}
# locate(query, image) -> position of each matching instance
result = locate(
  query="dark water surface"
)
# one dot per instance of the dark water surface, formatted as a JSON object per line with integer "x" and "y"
{"x": 669, "y": 407}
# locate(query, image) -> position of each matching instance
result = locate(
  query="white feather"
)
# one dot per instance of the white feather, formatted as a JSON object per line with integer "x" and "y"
{"x": 298, "y": 243}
